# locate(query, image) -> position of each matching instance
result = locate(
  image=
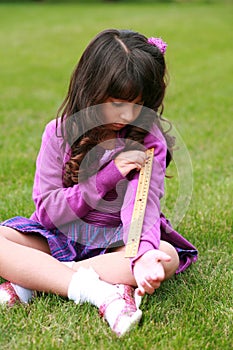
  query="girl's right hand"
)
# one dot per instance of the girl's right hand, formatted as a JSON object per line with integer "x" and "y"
{"x": 129, "y": 160}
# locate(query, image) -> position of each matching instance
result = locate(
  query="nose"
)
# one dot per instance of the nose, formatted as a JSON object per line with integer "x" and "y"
{"x": 127, "y": 114}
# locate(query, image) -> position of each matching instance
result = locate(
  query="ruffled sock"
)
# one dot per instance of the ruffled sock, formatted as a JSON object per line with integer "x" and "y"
{"x": 116, "y": 303}
{"x": 86, "y": 286}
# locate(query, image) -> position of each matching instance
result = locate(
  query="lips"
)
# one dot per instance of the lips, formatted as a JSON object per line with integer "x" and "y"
{"x": 118, "y": 125}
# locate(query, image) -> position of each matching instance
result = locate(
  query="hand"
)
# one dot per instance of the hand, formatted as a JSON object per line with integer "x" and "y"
{"x": 149, "y": 271}
{"x": 129, "y": 160}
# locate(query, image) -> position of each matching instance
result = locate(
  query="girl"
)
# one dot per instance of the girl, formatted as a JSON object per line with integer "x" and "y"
{"x": 85, "y": 184}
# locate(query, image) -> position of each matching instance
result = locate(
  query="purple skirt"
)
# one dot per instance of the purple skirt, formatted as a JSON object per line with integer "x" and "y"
{"x": 68, "y": 248}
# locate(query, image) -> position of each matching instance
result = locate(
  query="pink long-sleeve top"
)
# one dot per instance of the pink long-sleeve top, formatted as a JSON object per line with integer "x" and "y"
{"x": 104, "y": 199}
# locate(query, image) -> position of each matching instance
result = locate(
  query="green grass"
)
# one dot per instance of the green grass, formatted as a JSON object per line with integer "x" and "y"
{"x": 40, "y": 44}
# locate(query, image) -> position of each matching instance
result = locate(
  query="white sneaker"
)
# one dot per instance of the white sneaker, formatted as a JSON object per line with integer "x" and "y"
{"x": 120, "y": 310}
{"x": 8, "y": 295}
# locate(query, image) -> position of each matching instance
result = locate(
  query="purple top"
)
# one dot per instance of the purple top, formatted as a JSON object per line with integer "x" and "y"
{"x": 95, "y": 200}
{"x": 104, "y": 199}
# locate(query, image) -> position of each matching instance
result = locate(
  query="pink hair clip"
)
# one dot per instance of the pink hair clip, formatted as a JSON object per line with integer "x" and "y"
{"x": 159, "y": 43}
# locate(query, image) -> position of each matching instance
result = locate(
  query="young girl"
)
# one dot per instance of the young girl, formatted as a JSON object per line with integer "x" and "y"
{"x": 85, "y": 184}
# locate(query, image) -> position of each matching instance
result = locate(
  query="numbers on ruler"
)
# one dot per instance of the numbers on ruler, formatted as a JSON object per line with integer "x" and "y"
{"x": 139, "y": 206}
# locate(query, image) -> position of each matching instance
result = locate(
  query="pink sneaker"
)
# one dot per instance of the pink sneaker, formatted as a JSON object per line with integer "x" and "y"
{"x": 8, "y": 295}
{"x": 120, "y": 310}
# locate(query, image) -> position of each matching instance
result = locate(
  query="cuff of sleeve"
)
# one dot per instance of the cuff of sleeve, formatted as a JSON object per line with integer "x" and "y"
{"x": 108, "y": 177}
{"x": 143, "y": 248}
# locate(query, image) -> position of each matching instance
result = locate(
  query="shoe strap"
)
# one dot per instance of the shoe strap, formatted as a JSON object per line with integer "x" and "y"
{"x": 127, "y": 295}
{"x": 108, "y": 301}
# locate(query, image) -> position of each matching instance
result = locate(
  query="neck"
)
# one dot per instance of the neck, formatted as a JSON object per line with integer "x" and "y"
{"x": 110, "y": 140}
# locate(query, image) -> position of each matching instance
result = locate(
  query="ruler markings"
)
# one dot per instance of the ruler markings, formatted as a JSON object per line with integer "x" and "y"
{"x": 139, "y": 206}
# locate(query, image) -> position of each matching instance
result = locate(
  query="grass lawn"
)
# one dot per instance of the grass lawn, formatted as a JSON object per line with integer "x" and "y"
{"x": 40, "y": 44}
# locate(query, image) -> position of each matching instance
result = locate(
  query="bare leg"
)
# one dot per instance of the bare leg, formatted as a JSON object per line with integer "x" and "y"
{"x": 25, "y": 260}
{"x": 115, "y": 268}
{"x": 111, "y": 267}
{"x": 169, "y": 267}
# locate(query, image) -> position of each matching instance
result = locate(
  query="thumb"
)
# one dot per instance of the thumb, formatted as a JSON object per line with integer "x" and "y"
{"x": 161, "y": 256}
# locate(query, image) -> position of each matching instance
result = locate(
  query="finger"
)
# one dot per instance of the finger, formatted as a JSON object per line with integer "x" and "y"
{"x": 154, "y": 282}
{"x": 154, "y": 286}
{"x": 140, "y": 291}
{"x": 138, "y": 166}
{"x": 161, "y": 256}
{"x": 155, "y": 278}
{"x": 143, "y": 158}
{"x": 147, "y": 287}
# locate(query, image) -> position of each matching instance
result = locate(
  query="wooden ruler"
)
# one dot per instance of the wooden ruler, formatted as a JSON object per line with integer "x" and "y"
{"x": 139, "y": 206}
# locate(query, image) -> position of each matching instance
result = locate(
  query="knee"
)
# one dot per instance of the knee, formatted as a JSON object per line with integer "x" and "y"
{"x": 171, "y": 266}
{"x": 6, "y": 232}
{"x": 3, "y": 231}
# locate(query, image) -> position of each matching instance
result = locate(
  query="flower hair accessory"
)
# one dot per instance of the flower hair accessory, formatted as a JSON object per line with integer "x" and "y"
{"x": 162, "y": 46}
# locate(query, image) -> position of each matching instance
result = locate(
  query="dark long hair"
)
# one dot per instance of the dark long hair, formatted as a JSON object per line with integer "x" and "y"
{"x": 118, "y": 64}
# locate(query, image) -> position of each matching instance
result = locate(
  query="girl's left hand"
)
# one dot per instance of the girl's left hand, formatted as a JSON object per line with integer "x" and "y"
{"x": 149, "y": 271}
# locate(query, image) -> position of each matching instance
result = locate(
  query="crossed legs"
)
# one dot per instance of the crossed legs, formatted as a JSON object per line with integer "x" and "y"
{"x": 25, "y": 260}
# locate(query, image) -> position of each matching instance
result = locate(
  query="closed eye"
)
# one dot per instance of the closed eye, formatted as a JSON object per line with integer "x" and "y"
{"x": 118, "y": 104}
{"x": 121, "y": 104}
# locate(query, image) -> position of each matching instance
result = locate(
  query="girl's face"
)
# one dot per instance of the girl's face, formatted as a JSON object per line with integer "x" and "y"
{"x": 117, "y": 112}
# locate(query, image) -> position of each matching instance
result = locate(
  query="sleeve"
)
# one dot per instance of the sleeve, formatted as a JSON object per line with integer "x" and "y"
{"x": 150, "y": 235}
{"x": 55, "y": 204}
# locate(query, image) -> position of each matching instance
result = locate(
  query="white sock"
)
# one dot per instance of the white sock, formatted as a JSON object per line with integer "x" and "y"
{"x": 68, "y": 263}
{"x": 24, "y": 294}
{"x": 86, "y": 286}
